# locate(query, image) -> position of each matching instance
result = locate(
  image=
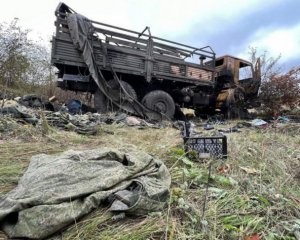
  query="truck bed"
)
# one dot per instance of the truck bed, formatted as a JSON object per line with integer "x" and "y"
{"x": 141, "y": 55}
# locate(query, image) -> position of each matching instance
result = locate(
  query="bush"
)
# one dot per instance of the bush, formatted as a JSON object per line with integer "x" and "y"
{"x": 281, "y": 92}
{"x": 24, "y": 64}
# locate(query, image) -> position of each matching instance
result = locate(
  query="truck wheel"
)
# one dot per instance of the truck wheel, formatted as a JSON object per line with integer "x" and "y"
{"x": 160, "y": 101}
{"x": 116, "y": 89}
{"x": 101, "y": 102}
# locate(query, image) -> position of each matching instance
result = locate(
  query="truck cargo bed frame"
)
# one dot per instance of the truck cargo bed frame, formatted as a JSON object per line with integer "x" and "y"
{"x": 131, "y": 52}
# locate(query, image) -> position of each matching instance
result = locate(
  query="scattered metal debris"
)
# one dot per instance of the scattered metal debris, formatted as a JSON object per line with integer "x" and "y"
{"x": 259, "y": 123}
{"x": 69, "y": 117}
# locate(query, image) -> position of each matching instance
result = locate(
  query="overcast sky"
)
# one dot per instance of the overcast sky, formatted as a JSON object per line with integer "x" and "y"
{"x": 228, "y": 26}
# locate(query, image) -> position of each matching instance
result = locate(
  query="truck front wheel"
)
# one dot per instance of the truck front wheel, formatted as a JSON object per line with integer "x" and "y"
{"x": 160, "y": 101}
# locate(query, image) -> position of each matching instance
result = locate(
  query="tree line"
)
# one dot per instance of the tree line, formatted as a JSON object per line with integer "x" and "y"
{"x": 24, "y": 63}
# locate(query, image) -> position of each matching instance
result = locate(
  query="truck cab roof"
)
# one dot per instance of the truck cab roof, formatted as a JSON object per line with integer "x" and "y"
{"x": 243, "y": 62}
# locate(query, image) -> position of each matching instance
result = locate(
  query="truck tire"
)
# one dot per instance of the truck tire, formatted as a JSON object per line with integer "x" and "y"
{"x": 101, "y": 102}
{"x": 160, "y": 101}
{"x": 127, "y": 87}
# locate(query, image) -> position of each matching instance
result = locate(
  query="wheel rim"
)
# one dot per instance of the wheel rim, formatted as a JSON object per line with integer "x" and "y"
{"x": 161, "y": 106}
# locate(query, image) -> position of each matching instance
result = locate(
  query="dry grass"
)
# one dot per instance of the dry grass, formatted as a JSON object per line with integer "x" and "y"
{"x": 256, "y": 190}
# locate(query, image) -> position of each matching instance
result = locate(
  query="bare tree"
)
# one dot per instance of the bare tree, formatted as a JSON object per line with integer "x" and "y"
{"x": 269, "y": 65}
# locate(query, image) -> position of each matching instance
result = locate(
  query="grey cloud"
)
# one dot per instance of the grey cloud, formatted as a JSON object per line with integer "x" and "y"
{"x": 233, "y": 37}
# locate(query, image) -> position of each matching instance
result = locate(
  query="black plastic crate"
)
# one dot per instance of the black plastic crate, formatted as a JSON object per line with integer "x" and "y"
{"x": 215, "y": 147}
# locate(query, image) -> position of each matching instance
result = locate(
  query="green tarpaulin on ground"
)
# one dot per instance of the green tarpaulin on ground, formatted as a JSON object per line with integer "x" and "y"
{"x": 56, "y": 190}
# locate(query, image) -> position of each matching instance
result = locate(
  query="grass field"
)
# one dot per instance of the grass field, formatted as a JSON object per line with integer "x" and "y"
{"x": 255, "y": 191}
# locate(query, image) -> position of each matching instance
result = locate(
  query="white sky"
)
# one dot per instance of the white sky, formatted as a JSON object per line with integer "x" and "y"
{"x": 284, "y": 41}
{"x": 171, "y": 19}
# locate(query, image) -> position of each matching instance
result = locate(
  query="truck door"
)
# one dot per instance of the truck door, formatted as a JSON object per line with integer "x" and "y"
{"x": 257, "y": 71}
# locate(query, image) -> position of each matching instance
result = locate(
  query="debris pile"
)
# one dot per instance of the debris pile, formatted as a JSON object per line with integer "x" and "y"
{"x": 16, "y": 110}
{"x": 69, "y": 117}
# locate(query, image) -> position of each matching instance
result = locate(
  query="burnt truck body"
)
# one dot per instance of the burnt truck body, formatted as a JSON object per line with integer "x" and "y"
{"x": 155, "y": 72}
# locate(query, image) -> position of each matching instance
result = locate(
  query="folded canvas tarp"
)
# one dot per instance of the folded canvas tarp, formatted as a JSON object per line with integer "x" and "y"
{"x": 57, "y": 190}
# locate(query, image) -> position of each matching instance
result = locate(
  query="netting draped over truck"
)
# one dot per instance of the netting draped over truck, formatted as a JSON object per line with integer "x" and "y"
{"x": 81, "y": 31}
{"x": 57, "y": 190}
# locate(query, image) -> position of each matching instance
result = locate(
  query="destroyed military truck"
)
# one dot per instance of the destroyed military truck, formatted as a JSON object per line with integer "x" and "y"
{"x": 144, "y": 74}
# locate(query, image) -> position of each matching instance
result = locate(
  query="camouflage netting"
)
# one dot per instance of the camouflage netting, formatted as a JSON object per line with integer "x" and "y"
{"x": 58, "y": 189}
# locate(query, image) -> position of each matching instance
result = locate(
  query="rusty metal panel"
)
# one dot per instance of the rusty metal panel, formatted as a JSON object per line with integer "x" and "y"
{"x": 175, "y": 69}
{"x": 180, "y": 70}
{"x": 198, "y": 73}
{"x": 236, "y": 71}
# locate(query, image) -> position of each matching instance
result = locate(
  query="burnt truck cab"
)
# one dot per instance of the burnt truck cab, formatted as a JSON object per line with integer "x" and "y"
{"x": 237, "y": 82}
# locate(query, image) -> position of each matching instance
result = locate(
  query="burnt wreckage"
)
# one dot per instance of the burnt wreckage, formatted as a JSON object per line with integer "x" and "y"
{"x": 146, "y": 75}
